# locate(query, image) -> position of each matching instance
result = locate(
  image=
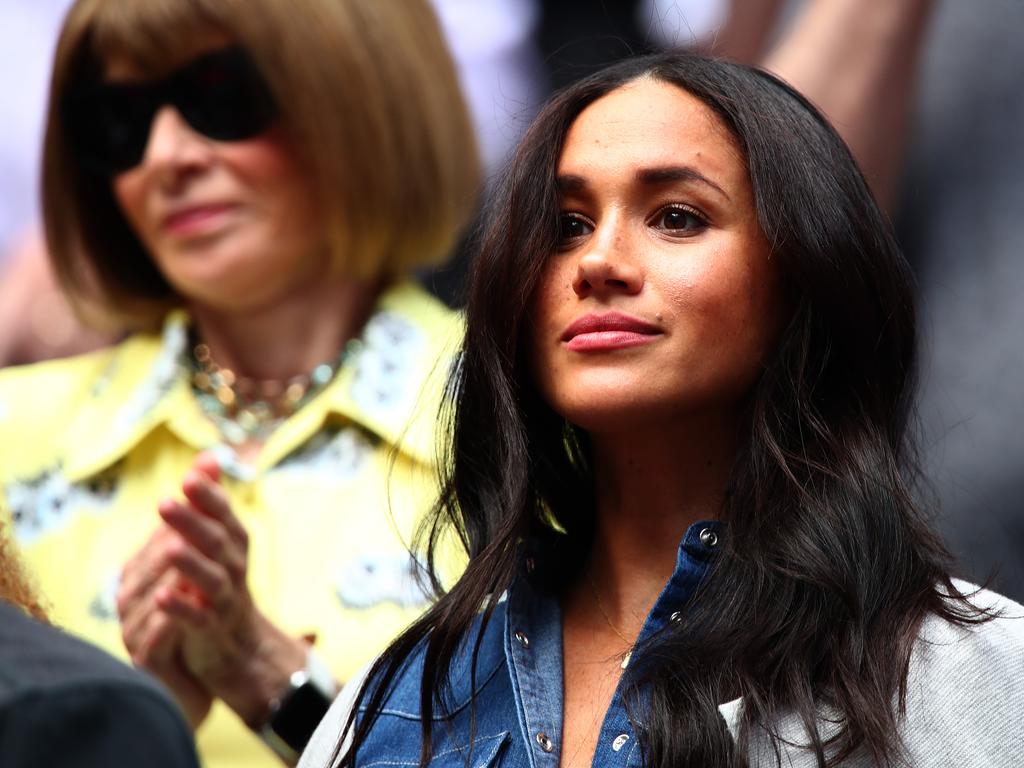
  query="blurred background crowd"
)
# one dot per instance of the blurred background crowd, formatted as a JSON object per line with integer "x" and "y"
{"x": 926, "y": 92}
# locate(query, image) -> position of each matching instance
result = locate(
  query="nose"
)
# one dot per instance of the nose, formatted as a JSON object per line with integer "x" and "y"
{"x": 173, "y": 145}
{"x": 606, "y": 268}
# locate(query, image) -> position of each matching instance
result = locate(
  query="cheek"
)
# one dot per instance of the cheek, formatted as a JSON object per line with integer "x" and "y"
{"x": 259, "y": 162}
{"x": 129, "y": 194}
{"x": 547, "y": 314}
{"x": 729, "y": 304}
{"x": 550, "y": 302}
{"x": 264, "y": 163}
{"x": 280, "y": 189}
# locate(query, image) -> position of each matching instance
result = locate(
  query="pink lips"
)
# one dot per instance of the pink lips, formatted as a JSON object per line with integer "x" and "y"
{"x": 613, "y": 330}
{"x": 195, "y": 220}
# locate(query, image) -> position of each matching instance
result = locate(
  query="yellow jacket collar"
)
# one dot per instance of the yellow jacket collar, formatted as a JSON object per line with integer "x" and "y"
{"x": 391, "y": 387}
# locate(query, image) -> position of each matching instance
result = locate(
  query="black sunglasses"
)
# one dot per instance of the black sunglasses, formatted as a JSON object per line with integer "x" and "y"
{"x": 220, "y": 94}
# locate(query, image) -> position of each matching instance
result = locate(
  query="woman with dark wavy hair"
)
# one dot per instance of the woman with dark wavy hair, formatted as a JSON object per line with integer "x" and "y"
{"x": 683, "y": 469}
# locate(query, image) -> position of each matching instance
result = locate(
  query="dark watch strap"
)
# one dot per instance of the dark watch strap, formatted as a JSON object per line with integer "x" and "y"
{"x": 295, "y": 715}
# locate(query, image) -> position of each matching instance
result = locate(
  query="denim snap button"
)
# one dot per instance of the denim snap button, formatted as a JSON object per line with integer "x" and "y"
{"x": 545, "y": 743}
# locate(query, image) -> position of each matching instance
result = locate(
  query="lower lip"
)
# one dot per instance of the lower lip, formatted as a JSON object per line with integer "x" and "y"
{"x": 603, "y": 341}
{"x": 200, "y": 221}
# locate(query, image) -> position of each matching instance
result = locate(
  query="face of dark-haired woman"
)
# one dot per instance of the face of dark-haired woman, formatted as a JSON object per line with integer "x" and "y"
{"x": 661, "y": 302}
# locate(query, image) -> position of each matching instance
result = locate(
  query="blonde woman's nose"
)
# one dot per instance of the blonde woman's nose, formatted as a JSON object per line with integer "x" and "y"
{"x": 173, "y": 142}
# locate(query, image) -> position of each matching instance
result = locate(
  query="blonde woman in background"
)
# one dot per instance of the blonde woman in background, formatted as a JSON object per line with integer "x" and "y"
{"x": 248, "y": 184}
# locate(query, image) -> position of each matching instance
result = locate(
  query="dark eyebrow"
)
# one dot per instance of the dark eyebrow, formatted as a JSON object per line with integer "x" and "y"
{"x": 671, "y": 173}
{"x": 647, "y": 176}
{"x": 570, "y": 183}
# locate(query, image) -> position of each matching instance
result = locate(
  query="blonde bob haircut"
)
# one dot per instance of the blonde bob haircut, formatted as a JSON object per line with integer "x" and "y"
{"x": 368, "y": 97}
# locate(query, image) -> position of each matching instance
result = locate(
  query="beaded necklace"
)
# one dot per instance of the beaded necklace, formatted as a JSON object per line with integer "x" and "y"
{"x": 245, "y": 409}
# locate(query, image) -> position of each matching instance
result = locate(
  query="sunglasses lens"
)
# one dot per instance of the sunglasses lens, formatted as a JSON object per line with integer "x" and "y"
{"x": 222, "y": 96}
{"x": 108, "y": 126}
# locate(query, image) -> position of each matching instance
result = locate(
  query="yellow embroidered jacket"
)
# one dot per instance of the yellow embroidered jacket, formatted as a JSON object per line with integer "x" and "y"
{"x": 89, "y": 445}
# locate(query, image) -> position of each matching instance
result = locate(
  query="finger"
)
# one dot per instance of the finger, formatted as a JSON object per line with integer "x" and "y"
{"x": 155, "y": 642}
{"x": 209, "y": 497}
{"x": 138, "y": 614}
{"x": 185, "y": 608}
{"x": 144, "y": 571}
{"x": 144, "y": 564}
{"x": 209, "y": 576}
{"x": 204, "y": 533}
{"x": 153, "y": 637}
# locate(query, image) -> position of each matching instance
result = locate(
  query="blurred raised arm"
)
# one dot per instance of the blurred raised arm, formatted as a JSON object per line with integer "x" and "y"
{"x": 855, "y": 59}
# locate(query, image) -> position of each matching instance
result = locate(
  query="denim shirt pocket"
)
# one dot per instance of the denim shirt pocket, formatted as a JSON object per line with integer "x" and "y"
{"x": 485, "y": 754}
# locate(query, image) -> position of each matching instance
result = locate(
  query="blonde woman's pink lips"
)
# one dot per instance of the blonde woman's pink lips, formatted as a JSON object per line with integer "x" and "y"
{"x": 196, "y": 220}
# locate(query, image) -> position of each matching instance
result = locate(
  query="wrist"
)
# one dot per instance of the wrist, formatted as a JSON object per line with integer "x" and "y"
{"x": 252, "y": 685}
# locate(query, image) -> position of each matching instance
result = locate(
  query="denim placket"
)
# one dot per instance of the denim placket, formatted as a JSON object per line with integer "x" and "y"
{"x": 698, "y": 546}
{"x": 617, "y": 744}
{"x": 533, "y": 649}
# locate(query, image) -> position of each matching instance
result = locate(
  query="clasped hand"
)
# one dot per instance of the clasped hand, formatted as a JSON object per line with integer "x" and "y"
{"x": 187, "y": 615}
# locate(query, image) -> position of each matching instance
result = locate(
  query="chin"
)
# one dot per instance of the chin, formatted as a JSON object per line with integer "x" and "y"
{"x": 597, "y": 396}
{"x": 227, "y": 290}
{"x": 633, "y": 411}
{"x": 617, "y": 416}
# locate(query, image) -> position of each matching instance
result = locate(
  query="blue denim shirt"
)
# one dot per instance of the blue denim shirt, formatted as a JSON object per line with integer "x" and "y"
{"x": 519, "y": 682}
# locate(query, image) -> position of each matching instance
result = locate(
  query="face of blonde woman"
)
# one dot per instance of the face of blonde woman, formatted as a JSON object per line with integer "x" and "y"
{"x": 230, "y": 224}
{"x": 661, "y": 301}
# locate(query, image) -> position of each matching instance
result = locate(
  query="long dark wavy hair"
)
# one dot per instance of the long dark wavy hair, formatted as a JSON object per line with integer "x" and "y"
{"x": 828, "y": 569}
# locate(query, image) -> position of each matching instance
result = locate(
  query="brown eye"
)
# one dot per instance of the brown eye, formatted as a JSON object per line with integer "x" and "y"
{"x": 572, "y": 226}
{"x": 679, "y": 220}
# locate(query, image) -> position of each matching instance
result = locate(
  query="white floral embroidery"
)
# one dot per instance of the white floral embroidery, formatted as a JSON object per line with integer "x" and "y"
{"x": 104, "y": 380}
{"x": 103, "y": 605}
{"x": 164, "y": 374}
{"x": 231, "y": 465}
{"x": 383, "y": 379}
{"x": 46, "y": 502}
{"x": 335, "y": 453}
{"x": 373, "y": 579}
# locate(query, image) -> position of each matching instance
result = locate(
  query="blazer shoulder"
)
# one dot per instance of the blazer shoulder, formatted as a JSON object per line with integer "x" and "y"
{"x": 965, "y": 687}
{"x": 64, "y": 702}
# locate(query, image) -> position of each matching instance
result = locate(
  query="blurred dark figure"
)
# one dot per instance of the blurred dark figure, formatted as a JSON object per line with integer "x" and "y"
{"x": 64, "y": 703}
{"x": 959, "y": 218}
{"x": 578, "y": 37}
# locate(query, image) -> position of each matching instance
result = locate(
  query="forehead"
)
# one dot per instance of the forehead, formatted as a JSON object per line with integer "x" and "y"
{"x": 651, "y": 123}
